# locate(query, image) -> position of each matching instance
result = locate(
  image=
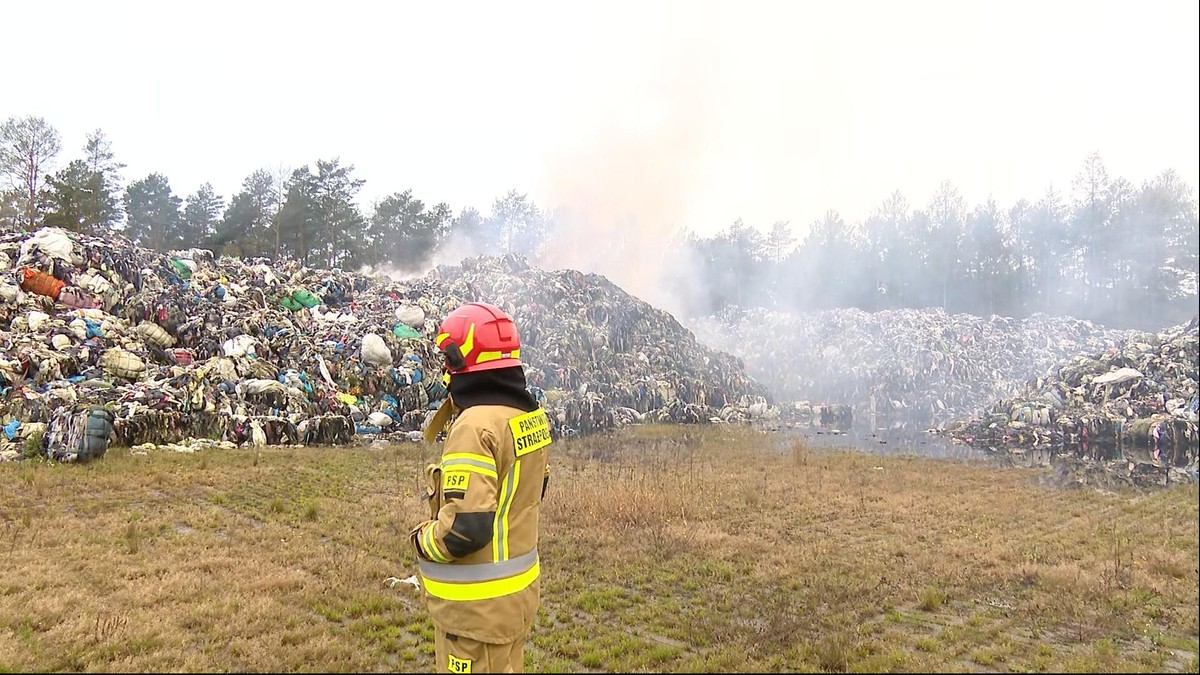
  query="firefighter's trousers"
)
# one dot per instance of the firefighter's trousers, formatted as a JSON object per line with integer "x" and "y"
{"x": 457, "y": 654}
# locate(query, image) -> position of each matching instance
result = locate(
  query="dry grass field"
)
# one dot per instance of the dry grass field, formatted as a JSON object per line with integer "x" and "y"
{"x": 710, "y": 549}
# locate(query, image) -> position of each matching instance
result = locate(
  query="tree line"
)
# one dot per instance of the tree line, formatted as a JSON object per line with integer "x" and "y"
{"x": 310, "y": 213}
{"x": 1106, "y": 249}
{"x": 1120, "y": 254}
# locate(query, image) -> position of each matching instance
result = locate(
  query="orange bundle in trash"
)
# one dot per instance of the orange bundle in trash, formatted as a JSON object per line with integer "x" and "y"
{"x": 33, "y": 281}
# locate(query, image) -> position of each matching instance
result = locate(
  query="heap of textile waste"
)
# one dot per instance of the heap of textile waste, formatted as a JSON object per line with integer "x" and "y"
{"x": 1133, "y": 407}
{"x": 924, "y": 367}
{"x": 102, "y": 341}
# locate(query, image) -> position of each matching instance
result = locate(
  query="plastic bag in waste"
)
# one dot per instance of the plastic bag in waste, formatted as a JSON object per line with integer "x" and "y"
{"x": 34, "y": 281}
{"x": 96, "y": 431}
{"x": 404, "y": 331}
{"x": 305, "y": 297}
{"x": 182, "y": 268}
{"x": 380, "y": 419}
{"x": 375, "y": 351}
{"x": 411, "y": 315}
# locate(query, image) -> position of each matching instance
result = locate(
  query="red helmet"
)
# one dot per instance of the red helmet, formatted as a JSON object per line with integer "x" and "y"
{"x": 479, "y": 336}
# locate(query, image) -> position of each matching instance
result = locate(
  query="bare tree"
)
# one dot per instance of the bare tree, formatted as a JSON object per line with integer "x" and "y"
{"x": 27, "y": 145}
{"x": 280, "y": 179}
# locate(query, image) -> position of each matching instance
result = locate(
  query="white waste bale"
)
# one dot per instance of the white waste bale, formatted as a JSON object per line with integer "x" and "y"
{"x": 123, "y": 363}
{"x": 238, "y": 346}
{"x": 37, "y": 320}
{"x": 380, "y": 419}
{"x": 197, "y": 254}
{"x": 265, "y": 272}
{"x": 78, "y": 328}
{"x": 411, "y": 315}
{"x": 264, "y": 386}
{"x": 9, "y": 293}
{"x": 52, "y": 241}
{"x": 155, "y": 334}
{"x": 60, "y": 341}
{"x": 93, "y": 282}
{"x": 1115, "y": 377}
{"x": 375, "y": 351}
{"x": 258, "y": 437}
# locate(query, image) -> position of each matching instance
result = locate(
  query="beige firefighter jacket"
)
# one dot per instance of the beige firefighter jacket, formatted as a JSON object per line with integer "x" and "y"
{"x": 478, "y": 554}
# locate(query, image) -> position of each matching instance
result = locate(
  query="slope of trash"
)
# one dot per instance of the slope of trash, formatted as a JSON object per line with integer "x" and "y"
{"x": 602, "y": 356}
{"x": 104, "y": 340}
{"x": 1131, "y": 409}
{"x": 926, "y": 367}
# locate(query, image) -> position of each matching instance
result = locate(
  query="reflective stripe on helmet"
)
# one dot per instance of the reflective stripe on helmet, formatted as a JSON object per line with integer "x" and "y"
{"x": 468, "y": 342}
{"x": 484, "y": 357}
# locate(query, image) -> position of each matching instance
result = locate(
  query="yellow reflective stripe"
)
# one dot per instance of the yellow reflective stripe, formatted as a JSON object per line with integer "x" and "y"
{"x": 469, "y": 461}
{"x": 469, "y": 342}
{"x": 443, "y": 557}
{"x": 500, "y": 528}
{"x": 482, "y": 590}
{"x": 440, "y": 338}
{"x": 484, "y": 357}
{"x": 431, "y": 547}
{"x": 427, "y": 544}
{"x": 471, "y": 456}
{"x": 463, "y": 466}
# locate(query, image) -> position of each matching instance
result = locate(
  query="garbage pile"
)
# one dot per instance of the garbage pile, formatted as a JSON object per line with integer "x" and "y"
{"x": 603, "y": 358}
{"x": 1132, "y": 407}
{"x": 187, "y": 349}
{"x": 923, "y": 366}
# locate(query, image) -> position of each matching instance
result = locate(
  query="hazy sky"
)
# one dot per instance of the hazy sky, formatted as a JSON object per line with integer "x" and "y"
{"x": 693, "y": 112}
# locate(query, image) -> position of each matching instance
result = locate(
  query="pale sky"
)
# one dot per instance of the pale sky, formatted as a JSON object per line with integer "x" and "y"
{"x": 694, "y": 112}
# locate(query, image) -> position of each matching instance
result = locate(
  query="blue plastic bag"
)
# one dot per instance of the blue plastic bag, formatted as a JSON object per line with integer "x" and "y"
{"x": 93, "y": 328}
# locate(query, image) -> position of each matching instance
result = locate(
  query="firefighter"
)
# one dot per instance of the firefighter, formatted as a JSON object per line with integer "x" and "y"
{"x": 478, "y": 553}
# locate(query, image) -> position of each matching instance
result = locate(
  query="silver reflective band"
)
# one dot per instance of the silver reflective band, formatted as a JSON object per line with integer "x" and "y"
{"x": 469, "y": 462}
{"x": 477, "y": 571}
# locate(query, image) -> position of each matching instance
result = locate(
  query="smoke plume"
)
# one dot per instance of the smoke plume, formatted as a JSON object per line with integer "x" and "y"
{"x": 619, "y": 201}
